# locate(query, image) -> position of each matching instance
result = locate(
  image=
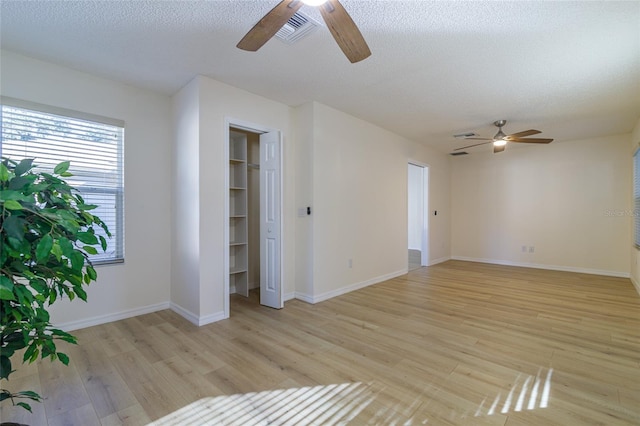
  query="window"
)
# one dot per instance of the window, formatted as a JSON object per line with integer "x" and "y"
{"x": 93, "y": 144}
{"x": 636, "y": 197}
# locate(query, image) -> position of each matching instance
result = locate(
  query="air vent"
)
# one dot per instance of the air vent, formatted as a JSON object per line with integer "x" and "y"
{"x": 299, "y": 26}
{"x": 455, "y": 154}
{"x": 464, "y": 135}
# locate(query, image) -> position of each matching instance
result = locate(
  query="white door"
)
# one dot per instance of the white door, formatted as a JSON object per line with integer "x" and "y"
{"x": 418, "y": 220}
{"x": 270, "y": 223}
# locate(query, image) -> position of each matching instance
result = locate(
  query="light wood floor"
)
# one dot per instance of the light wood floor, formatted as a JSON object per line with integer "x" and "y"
{"x": 456, "y": 343}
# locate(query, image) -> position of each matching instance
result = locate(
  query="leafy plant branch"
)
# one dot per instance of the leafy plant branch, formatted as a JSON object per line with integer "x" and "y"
{"x": 47, "y": 236}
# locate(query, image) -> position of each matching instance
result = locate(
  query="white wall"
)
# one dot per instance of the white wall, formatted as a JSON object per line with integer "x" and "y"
{"x": 304, "y": 131}
{"x": 556, "y": 198}
{"x": 142, "y": 282}
{"x": 360, "y": 202}
{"x": 353, "y": 175}
{"x": 215, "y": 103}
{"x": 185, "y": 212}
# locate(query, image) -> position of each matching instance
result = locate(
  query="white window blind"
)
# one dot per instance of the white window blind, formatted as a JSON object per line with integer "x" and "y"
{"x": 93, "y": 145}
{"x": 636, "y": 197}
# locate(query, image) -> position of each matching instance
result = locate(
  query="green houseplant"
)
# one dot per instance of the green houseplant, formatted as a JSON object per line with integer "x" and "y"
{"x": 47, "y": 235}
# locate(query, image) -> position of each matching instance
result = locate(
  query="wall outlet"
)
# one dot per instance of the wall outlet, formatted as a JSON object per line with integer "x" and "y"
{"x": 350, "y": 263}
{"x": 532, "y": 249}
{"x": 524, "y": 249}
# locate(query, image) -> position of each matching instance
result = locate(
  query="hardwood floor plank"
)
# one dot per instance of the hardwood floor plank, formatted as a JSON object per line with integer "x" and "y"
{"x": 18, "y": 414}
{"x": 84, "y": 415}
{"x": 458, "y": 343}
{"x": 62, "y": 388}
{"x": 130, "y": 416}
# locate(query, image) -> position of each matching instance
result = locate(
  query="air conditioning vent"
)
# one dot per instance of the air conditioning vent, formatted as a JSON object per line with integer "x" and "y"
{"x": 299, "y": 26}
{"x": 455, "y": 154}
{"x": 464, "y": 135}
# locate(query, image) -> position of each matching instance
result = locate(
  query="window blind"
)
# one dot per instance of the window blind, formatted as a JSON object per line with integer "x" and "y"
{"x": 94, "y": 148}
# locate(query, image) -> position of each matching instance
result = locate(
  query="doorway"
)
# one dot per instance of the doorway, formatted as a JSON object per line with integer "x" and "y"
{"x": 418, "y": 220}
{"x": 253, "y": 215}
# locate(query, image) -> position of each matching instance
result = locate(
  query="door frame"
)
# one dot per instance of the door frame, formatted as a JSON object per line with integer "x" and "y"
{"x": 424, "y": 240}
{"x": 258, "y": 129}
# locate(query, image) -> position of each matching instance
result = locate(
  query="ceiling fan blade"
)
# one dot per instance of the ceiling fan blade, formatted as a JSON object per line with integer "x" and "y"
{"x": 471, "y": 146}
{"x": 531, "y": 140}
{"x": 498, "y": 148}
{"x": 523, "y": 134}
{"x": 269, "y": 25}
{"x": 345, "y": 31}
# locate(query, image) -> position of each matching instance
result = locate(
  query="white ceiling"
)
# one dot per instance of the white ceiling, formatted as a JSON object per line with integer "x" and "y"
{"x": 570, "y": 69}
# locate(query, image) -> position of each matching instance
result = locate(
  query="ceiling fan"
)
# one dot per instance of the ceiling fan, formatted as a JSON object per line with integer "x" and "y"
{"x": 500, "y": 139}
{"x": 342, "y": 27}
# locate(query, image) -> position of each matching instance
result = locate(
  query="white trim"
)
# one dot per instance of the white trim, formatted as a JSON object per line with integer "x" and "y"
{"x": 439, "y": 260}
{"x": 579, "y": 270}
{"x": 426, "y": 219}
{"x": 64, "y": 112}
{"x": 253, "y": 128}
{"x": 225, "y": 223}
{"x": 349, "y": 288}
{"x": 304, "y": 297}
{"x": 289, "y": 296}
{"x": 635, "y": 283}
{"x": 103, "y": 319}
{"x": 195, "y": 319}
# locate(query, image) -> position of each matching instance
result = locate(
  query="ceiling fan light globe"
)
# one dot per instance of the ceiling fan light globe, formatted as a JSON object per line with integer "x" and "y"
{"x": 499, "y": 142}
{"x": 314, "y": 2}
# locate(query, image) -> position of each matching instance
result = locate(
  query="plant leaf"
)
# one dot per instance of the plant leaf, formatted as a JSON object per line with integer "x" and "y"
{"x": 63, "y": 358}
{"x": 25, "y": 406}
{"x": 61, "y": 167}
{"x": 12, "y": 205}
{"x": 24, "y": 166}
{"x": 85, "y": 207}
{"x": 92, "y": 273}
{"x": 87, "y": 238}
{"x": 90, "y": 249}
{"x": 4, "y": 173}
{"x": 77, "y": 261}
{"x": 6, "y": 289}
{"x": 13, "y": 226}
{"x": 5, "y": 367}
{"x": 30, "y": 394}
{"x": 44, "y": 248}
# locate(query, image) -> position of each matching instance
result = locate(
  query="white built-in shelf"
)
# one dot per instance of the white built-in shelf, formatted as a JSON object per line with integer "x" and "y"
{"x": 237, "y": 270}
{"x": 238, "y": 223}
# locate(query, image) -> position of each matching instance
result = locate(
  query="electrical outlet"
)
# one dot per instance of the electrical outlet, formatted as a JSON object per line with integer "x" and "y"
{"x": 524, "y": 249}
{"x": 350, "y": 263}
{"x": 532, "y": 249}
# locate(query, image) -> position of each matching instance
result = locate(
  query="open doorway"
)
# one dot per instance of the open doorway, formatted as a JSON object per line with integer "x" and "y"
{"x": 253, "y": 216}
{"x": 418, "y": 221}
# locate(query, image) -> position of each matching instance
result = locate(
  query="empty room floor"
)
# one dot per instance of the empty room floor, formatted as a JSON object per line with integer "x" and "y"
{"x": 452, "y": 344}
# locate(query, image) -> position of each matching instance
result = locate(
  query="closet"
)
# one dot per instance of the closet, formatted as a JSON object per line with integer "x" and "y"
{"x": 244, "y": 211}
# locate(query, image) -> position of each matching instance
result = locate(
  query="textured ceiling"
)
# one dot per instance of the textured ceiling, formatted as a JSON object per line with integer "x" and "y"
{"x": 570, "y": 69}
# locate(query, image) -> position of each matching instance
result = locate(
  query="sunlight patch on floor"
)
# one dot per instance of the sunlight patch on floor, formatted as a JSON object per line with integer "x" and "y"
{"x": 516, "y": 398}
{"x": 306, "y": 405}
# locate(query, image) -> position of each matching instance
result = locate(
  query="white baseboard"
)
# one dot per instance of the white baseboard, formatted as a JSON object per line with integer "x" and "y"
{"x": 635, "y": 283}
{"x": 439, "y": 260}
{"x": 289, "y": 296}
{"x": 349, "y": 288}
{"x": 304, "y": 297}
{"x": 548, "y": 267}
{"x": 196, "y": 319}
{"x": 103, "y": 319}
